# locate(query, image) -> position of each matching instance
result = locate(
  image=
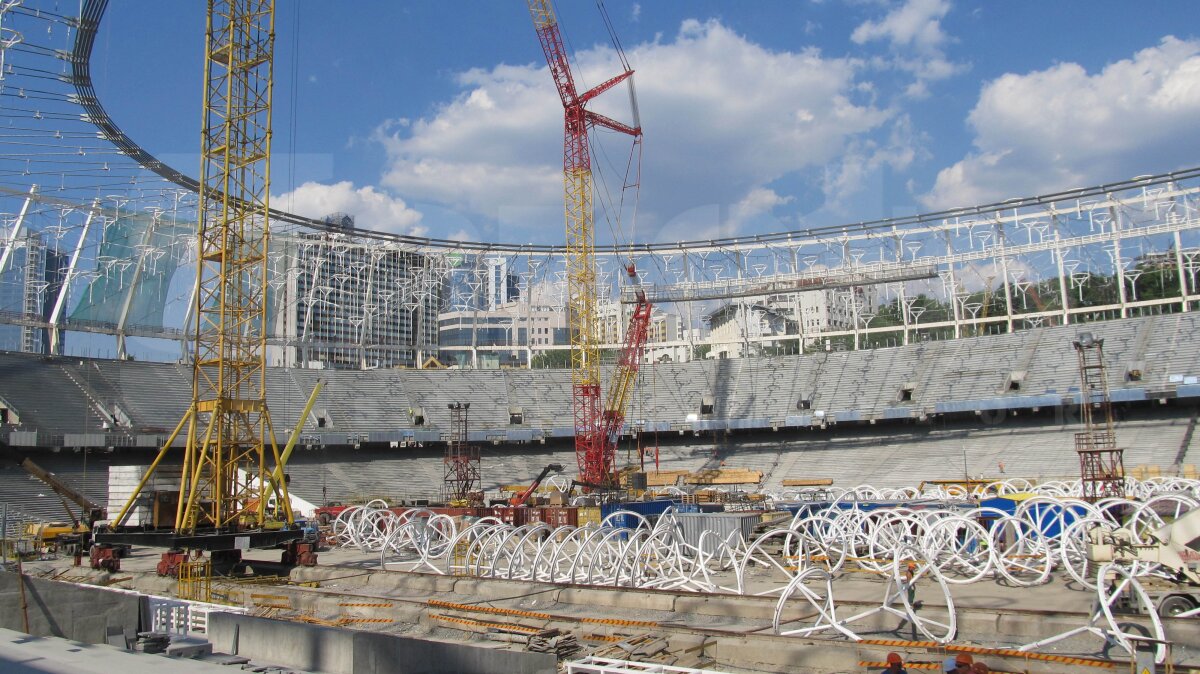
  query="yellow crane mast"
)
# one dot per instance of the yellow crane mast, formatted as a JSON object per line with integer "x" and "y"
{"x": 226, "y": 480}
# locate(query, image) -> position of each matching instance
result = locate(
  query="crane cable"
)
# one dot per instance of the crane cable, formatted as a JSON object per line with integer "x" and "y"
{"x": 614, "y": 209}
{"x": 635, "y": 152}
{"x": 612, "y": 35}
{"x": 294, "y": 103}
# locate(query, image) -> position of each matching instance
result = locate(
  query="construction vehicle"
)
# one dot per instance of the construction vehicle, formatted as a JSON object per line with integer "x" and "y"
{"x": 329, "y": 512}
{"x": 74, "y": 538}
{"x": 46, "y": 533}
{"x": 1175, "y": 547}
{"x": 523, "y": 497}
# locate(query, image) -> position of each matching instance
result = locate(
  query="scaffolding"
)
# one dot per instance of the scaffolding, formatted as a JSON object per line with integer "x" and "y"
{"x": 195, "y": 580}
{"x": 1101, "y": 462}
{"x": 461, "y": 463}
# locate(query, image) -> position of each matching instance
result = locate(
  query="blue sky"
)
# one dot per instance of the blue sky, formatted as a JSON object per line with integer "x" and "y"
{"x": 440, "y": 119}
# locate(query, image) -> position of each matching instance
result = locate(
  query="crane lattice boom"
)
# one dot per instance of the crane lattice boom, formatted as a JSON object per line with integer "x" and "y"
{"x": 592, "y": 448}
{"x": 628, "y": 364}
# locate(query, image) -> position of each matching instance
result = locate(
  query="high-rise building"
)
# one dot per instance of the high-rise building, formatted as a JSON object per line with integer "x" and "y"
{"x": 475, "y": 338}
{"x": 737, "y": 327}
{"x": 29, "y": 284}
{"x": 350, "y": 304}
{"x": 501, "y": 286}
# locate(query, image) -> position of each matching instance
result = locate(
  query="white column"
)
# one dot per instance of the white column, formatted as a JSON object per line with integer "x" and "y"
{"x": 16, "y": 230}
{"x": 72, "y": 269}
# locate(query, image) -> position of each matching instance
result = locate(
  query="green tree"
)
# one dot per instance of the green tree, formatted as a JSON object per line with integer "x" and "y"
{"x": 1158, "y": 280}
{"x": 558, "y": 358}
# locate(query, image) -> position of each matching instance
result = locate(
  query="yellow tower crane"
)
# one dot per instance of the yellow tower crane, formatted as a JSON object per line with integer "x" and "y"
{"x": 226, "y": 480}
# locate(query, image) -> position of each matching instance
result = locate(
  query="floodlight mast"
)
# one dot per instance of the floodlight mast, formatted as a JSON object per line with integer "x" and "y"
{"x": 1101, "y": 462}
{"x": 594, "y": 452}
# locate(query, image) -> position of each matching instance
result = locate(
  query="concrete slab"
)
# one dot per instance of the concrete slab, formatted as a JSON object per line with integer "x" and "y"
{"x": 24, "y": 654}
{"x": 188, "y": 647}
{"x": 725, "y": 606}
{"x": 310, "y": 647}
{"x": 587, "y": 596}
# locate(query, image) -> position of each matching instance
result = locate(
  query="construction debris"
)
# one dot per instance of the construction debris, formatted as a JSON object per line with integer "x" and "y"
{"x": 725, "y": 476}
{"x": 562, "y": 644}
{"x": 716, "y": 476}
{"x": 153, "y": 642}
{"x": 653, "y": 649}
{"x": 812, "y": 482}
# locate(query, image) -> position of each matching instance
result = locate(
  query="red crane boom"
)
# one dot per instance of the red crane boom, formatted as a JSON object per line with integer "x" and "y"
{"x": 628, "y": 364}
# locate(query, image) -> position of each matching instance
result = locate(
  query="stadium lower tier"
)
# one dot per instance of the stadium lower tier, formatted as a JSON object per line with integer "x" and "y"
{"x": 1157, "y": 439}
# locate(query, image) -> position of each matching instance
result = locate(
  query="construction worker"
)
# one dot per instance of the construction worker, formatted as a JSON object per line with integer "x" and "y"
{"x": 963, "y": 663}
{"x": 980, "y": 668}
{"x": 895, "y": 665}
{"x": 909, "y": 585}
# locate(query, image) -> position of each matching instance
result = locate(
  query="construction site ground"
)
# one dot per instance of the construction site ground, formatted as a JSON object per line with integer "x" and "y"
{"x": 724, "y": 632}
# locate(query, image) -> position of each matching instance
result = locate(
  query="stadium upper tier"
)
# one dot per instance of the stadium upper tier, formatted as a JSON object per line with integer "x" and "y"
{"x": 103, "y": 403}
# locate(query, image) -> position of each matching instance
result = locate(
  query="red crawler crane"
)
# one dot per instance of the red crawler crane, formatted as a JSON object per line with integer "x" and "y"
{"x": 595, "y": 447}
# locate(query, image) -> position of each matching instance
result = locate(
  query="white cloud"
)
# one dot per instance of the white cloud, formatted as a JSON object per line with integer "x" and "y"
{"x": 760, "y": 200}
{"x": 635, "y": 12}
{"x": 845, "y": 179}
{"x": 916, "y": 23}
{"x": 757, "y": 209}
{"x": 914, "y": 32}
{"x": 1062, "y": 127}
{"x": 723, "y": 117}
{"x": 371, "y": 208}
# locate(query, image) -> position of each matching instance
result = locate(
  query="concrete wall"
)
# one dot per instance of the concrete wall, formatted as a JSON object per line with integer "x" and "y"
{"x": 332, "y": 650}
{"x": 65, "y": 609}
{"x": 385, "y": 654}
{"x": 310, "y": 647}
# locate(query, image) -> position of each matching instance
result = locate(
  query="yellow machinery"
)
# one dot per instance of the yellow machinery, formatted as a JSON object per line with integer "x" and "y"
{"x": 226, "y": 481}
{"x": 48, "y": 532}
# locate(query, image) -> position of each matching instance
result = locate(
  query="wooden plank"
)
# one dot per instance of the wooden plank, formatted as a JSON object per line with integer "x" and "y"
{"x": 663, "y": 478}
{"x": 725, "y": 476}
{"x": 811, "y": 482}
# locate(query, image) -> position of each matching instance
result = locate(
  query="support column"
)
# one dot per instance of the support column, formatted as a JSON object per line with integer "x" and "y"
{"x": 127, "y": 303}
{"x": 953, "y": 282}
{"x": 1180, "y": 268}
{"x": 1002, "y": 244}
{"x": 72, "y": 270}
{"x": 1062, "y": 279}
{"x": 16, "y": 230}
{"x": 364, "y": 329}
{"x": 1118, "y": 263}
